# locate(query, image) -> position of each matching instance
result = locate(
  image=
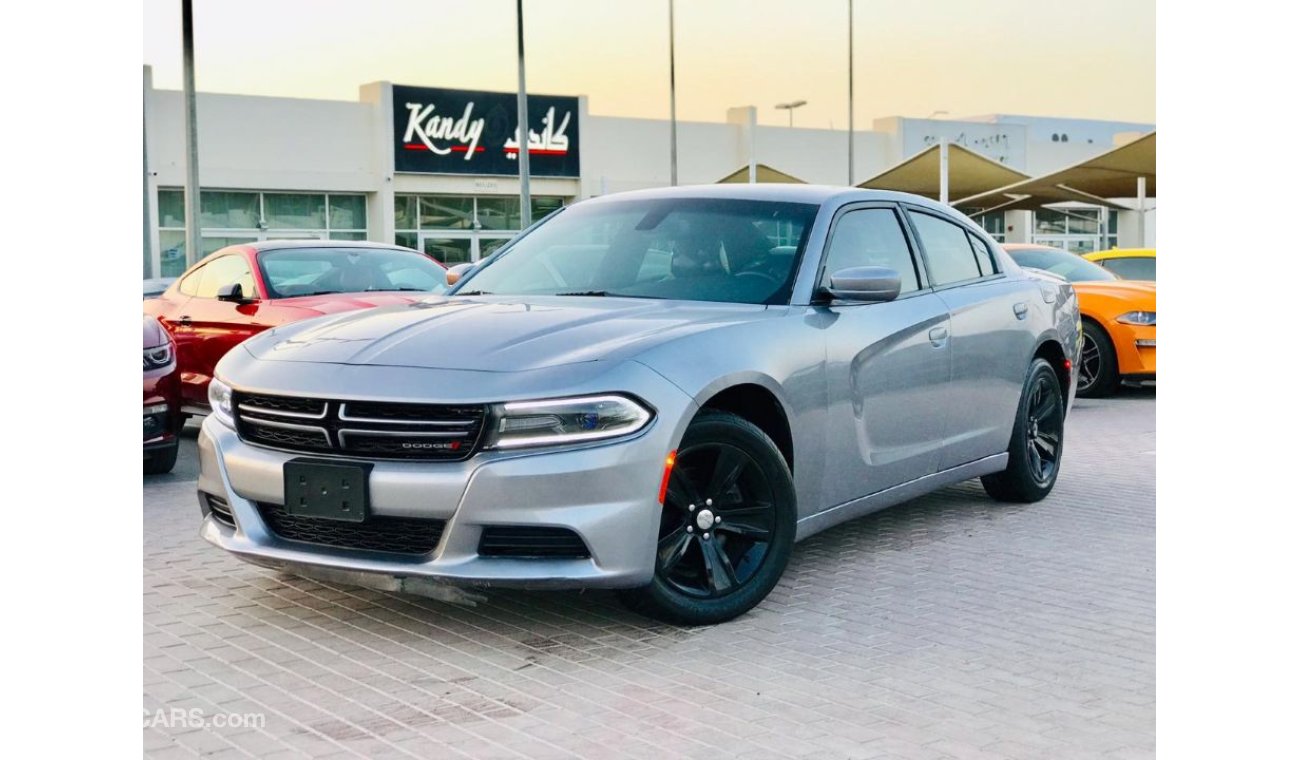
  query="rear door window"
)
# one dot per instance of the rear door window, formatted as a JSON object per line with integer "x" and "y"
{"x": 947, "y": 249}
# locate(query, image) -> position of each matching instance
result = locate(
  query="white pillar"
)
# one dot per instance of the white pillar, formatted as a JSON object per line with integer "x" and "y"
{"x": 1142, "y": 211}
{"x": 943, "y": 170}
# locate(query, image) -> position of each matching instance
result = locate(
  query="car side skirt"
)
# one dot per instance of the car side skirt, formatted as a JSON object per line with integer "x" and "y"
{"x": 814, "y": 524}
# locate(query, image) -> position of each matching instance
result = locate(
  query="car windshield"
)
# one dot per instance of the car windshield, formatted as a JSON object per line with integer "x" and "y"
{"x": 1071, "y": 267}
{"x": 1134, "y": 268}
{"x": 291, "y": 272}
{"x": 694, "y": 249}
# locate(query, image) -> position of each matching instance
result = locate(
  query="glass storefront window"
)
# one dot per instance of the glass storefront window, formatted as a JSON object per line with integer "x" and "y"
{"x": 171, "y": 208}
{"x": 404, "y": 212}
{"x": 449, "y": 251}
{"x": 498, "y": 213}
{"x": 446, "y": 212}
{"x": 287, "y": 211}
{"x": 171, "y": 244}
{"x": 407, "y": 239}
{"x": 1049, "y": 222}
{"x": 230, "y": 217}
{"x": 211, "y": 244}
{"x": 347, "y": 212}
{"x": 229, "y": 210}
{"x": 1084, "y": 221}
{"x": 544, "y": 205}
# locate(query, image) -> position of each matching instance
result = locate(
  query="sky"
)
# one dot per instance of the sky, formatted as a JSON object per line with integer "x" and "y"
{"x": 1077, "y": 58}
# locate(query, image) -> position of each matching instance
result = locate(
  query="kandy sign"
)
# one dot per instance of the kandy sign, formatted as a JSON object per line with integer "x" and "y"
{"x": 470, "y": 132}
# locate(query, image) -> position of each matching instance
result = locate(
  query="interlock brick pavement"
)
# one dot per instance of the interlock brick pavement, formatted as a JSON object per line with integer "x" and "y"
{"x": 948, "y": 627}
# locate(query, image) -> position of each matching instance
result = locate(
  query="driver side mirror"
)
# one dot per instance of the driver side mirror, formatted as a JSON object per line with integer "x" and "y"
{"x": 232, "y": 292}
{"x": 456, "y": 273}
{"x": 865, "y": 284}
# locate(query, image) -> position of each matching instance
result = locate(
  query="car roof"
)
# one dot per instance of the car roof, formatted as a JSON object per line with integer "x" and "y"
{"x": 776, "y": 191}
{"x": 1122, "y": 253}
{"x": 269, "y": 245}
{"x": 1010, "y": 247}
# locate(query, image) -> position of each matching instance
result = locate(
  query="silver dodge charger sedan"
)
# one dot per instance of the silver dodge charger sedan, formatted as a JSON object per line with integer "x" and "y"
{"x": 658, "y": 392}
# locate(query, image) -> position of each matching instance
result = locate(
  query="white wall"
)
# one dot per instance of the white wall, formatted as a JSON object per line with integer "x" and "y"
{"x": 266, "y": 143}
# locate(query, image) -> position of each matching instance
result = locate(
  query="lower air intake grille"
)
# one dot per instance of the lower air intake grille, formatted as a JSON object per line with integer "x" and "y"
{"x": 531, "y": 541}
{"x": 400, "y": 535}
{"x": 220, "y": 510}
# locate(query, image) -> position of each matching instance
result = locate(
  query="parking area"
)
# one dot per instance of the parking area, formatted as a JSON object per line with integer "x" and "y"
{"x": 948, "y": 627}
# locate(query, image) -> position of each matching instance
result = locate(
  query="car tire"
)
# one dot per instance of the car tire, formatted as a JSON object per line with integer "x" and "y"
{"x": 161, "y": 461}
{"x": 1098, "y": 367}
{"x": 1037, "y": 440}
{"x": 717, "y": 559}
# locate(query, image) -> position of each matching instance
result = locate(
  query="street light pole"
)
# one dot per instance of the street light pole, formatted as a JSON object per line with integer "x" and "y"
{"x": 789, "y": 107}
{"x": 672, "y": 95}
{"x": 850, "y": 92}
{"x": 193, "y": 235}
{"x": 525, "y": 197}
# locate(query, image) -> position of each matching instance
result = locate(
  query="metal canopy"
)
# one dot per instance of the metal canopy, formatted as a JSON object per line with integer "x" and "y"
{"x": 968, "y": 173}
{"x": 762, "y": 173}
{"x": 1117, "y": 173}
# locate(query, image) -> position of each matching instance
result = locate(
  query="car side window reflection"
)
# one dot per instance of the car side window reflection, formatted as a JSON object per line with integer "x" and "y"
{"x": 947, "y": 250}
{"x": 225, "y": 271}
{"x": 190, "y": 283}
{"x": 870, "y": 237}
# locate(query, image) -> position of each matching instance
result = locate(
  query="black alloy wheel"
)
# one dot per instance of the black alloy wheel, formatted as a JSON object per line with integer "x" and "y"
{"x": 727, "y": 525}
{"x": 1045, "y": 424}
{"x": 1037, "y": 440}
{"x": 717, "y": 523}
{"x": 1089, "y": 364}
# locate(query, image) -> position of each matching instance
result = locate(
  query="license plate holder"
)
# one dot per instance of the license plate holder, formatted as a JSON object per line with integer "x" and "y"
{"x": 327, "y": 490}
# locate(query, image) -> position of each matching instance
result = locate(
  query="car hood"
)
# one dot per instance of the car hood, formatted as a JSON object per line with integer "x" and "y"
{"x": 498, "y": 334}
{"x": 1117, "y": 288}
{"x": 336, "y": 303}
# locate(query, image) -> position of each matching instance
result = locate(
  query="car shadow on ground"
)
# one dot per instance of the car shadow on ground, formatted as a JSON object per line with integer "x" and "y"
{"x": 581, "y": 625}
{"x": 563, "y": 623}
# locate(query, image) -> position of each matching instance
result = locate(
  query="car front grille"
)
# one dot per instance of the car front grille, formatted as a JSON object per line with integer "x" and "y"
{"x": 399, "y": 535}
{"x": 367, "y": 429}
{"x": 531, "y": 541}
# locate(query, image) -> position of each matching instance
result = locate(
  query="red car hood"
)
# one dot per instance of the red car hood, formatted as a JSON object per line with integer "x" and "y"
{"x": 336, "y": 303}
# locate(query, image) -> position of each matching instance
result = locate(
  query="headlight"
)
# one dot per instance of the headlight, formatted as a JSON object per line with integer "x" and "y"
{"x": 158, "y": 356}
{"x": 1137, "y": 318}
{"x": 219, "y": 400}
{"x": 565, "y": 420}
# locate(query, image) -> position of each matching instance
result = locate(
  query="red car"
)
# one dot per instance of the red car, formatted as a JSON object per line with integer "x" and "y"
{"x": 162, "y": 405}
{"x": 241, "y": 290}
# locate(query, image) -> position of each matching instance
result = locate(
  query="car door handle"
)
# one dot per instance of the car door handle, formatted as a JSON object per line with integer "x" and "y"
{"x": 1021, "y": 309}
{"x": 937, "y": 336}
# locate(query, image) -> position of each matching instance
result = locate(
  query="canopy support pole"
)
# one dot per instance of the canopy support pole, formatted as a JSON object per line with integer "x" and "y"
{"x": 1142, "y": 212}
{"x": 943, "y": 170}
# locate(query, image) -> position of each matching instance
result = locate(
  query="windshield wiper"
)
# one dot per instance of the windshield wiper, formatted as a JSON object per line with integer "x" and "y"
{"x": 586, "y": 293}
{"x": 473, "y": 293}
{"x": 317, "y": 293}
{"x": 398, "y": 290}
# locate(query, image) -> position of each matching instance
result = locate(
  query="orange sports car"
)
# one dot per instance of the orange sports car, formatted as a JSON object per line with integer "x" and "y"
{"x": 1119, "y": 318}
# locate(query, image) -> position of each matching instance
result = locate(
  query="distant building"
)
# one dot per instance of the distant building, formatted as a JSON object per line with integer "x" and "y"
{"x": 434, "y": 169}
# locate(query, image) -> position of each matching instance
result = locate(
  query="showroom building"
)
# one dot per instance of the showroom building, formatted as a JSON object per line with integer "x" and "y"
{"x": 435, "y": 169}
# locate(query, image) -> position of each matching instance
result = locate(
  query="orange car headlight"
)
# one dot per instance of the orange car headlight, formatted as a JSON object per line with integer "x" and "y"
{"x": 1137, "y": 318}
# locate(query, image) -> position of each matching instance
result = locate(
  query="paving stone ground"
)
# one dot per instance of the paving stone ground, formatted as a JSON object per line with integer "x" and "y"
{"x": 948, "y": 627}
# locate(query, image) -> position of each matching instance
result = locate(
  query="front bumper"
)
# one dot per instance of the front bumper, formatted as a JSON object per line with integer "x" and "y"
{"x": 1135, "y": 348}
{"x": 605, "y": 493}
